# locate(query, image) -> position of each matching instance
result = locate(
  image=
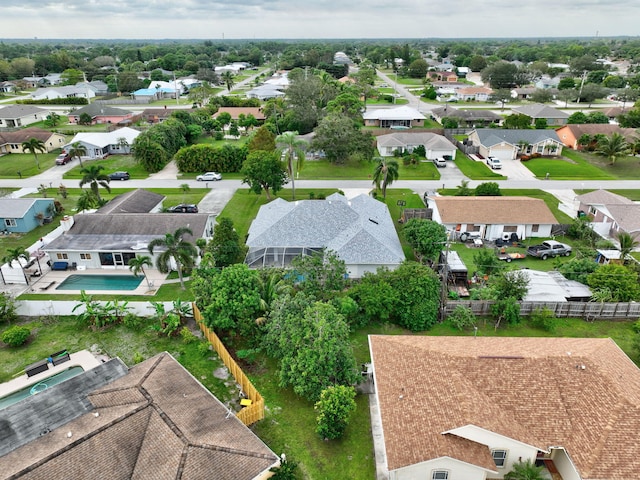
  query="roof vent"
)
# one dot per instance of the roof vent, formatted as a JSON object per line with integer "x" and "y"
{"x": 373, "y": 221}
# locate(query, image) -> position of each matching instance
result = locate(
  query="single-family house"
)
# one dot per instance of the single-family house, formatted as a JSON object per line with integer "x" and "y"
{"x": 508, "y": 144}
{"x": 97, "y": 86}
{"x": 473, "y": 94}
{"x": 14, "y": 116}
{"x": 613, "y": 113}
{"x": 153, "y": 93}
{"x": 471, "y": 408}
{"x": 151, "y": 421}
{"x": 611, "y": 214}
{"x": 399, "y": 117}
{"x": 100, "y": 114}
{"x": 34, "y": 82}
{"x": 66, "y": 91}
{"x": 7, "y": 87}
{"x": 472, "y": 117}
{"x": 266, "y": 92}
{"x": 159, "y": 115}
{"x": 21, "y": 215}
{"x": 360, "y": 231}
{"x": 280, "y": 79}
{"x": 436, "y": 146}
{"x": 236, "y": 112}
{"x": 443, "y": 76}
{"x": 11, "y": 142}
{"x": 536, "y": 111}
{"x": 133, "y": 201}
{"x": 546, "y": 82}
{"x": 523, "y": 93}
{"x": 109, "y": 241}
{"x": 493, "y": 217}
{"x": 101, "y": 144}
{"x": 341, "y": 58}
{"x": 571, "y": 134}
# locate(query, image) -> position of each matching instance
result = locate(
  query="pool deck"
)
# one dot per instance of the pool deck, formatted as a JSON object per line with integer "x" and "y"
{"x": 50, "y": 280}
{"x": 83, "y": 358}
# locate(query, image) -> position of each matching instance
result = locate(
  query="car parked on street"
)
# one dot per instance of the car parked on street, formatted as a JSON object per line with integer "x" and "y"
{"x": 209, "y": 177}
{"x": 119, "y": 176}
{"x": 183, "y": 208}
{"x": 63, "y": 158}
{"x": 494, "y": 163}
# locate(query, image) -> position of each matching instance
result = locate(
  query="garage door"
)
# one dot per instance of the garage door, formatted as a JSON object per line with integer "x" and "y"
{"x": 502, "y": 154}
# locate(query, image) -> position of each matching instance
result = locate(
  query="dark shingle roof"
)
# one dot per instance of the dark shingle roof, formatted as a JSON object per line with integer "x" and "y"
{"x": 95, "y": 109}
{"x": 494, "y": 136}
{"x": 19, "y": 111}
{"x": 134, "y": 201}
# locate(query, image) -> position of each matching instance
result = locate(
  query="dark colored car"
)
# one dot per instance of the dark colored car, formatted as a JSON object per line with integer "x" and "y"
{"x": 119, "y": 176}
{"x": 63, "y": 159}
{"x": 184, "y": 208}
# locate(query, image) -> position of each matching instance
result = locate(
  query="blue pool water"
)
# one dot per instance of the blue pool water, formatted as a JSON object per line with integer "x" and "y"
{"x": 42, "y": 385}
{"x": 100, "y": 282}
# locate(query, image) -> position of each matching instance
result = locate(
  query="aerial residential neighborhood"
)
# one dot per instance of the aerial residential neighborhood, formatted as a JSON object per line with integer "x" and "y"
{"x": 320, "y": 259}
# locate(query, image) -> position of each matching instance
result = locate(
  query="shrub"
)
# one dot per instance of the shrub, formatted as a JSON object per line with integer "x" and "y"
{"x": 133, "y": 321}
{"x": 204, "y": 349}
{"x": 462, "y": 317}
{"x": 187, "y": 336}
{"x": 543, "y": 319}
{"x": 16, "y": 335}
{"x": 7, "y": 308}
{"x": 636, "y": 326}
{"x": 137, "y": 357}
{"x": 334, "y": 408}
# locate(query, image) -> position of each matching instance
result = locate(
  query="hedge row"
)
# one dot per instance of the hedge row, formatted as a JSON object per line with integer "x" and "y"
{"x": 55, "y": 101}
{"x": 206, "y": 158}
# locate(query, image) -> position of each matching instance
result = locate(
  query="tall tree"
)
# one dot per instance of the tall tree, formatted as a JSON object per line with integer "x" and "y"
{"x": 16, "y": 254}
{"x": 225, "y": 244}
{"x": 293, "y": 153}
{"x": 227, "y": 78}
{"x": 263, "y": 171}
{"x": 613, "y": 147}
{"x": 174, "y": 246}
{"x": 33, "y": 145}
{"x": 77, "y": 150}
{"x": 262, "y": 139}
{"x": 385, "y": 173}
{"x": 426, "y": 237}
{"x": 627, "y": 244}
{"x": 93, "y": 176}
{"x": 137, "y": 264}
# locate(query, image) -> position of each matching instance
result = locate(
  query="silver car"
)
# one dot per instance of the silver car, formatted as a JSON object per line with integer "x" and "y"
{"x": 209, "y": 177}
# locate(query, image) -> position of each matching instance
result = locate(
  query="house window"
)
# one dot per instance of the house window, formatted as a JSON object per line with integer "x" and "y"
{"x": 85, "y": 256}
{"x": 10, "y": 222}
{"x": 499, "y": 457}
{"x": 62, "y": 256}
{"x": 535, "y": 228}
{"x": 540, "y": 148}
{"x": 592, "y": 210}
{"x": 473, "y": 228}
{"x": 510, "y": 229}
{"x": 440, "y": 475}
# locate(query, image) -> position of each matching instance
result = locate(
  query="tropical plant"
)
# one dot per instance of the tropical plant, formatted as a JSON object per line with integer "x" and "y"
{"x": 15, "y": 254}
{"x": 525, "y": 471}
{"x": 77, "y": 150}
{"x": 627, "y": 244}
{"x": 185, "y": 189}
{"x": 227, "y": 78}
{"x": 93, "y": 176}
{"x": 86, "y": 201}
{"x": 137, "y": 264}
{"x": 612, "y": 147}
{"x": 292, "y": 152}
{"x": 33, "y": 145}
{"x": 174, "y": 247}
{"x": 385, "y": 173}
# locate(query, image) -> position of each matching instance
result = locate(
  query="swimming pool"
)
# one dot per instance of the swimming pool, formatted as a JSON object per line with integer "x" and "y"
{"x": 100, "y": 282}
{"x": 42, "y": 385}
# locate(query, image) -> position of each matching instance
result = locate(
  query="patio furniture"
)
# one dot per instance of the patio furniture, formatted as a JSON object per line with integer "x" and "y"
{"x": 37, "y": 367}
{"x": 60, "y": 266}
{"x": 47, "y": 286}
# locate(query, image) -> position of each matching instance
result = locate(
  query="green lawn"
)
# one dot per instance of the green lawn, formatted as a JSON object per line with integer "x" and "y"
{"x": 25, "y": 163}
{"x": 626, "y": 168}
{"x": 324, "y": 170}
{"x": 572, "y": 166}
{"x": 475, "y": 170}
{"x": 113, "y": 163}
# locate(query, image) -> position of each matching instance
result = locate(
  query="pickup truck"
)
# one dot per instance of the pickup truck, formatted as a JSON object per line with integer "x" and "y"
{"x": 550, "y": 248}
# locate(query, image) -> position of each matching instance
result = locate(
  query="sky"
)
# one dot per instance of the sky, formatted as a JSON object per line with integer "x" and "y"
{"x": 311, "y": 19}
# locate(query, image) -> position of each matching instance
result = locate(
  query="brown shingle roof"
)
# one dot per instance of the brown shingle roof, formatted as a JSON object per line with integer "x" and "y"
{"x": 155, "y": 423}
{"x": 533, "y": 390}
{"x": 25, "y": 134}
{"x": 494, "y": 210}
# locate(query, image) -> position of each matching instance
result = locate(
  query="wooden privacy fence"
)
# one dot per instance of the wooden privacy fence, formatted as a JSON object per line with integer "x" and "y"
{"x": 587, "y": 310}
{"x": 251, "y": 413}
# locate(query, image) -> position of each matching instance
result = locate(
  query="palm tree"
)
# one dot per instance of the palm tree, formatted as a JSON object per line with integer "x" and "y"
{"x": 293, "y": 153}
{"x": 16, "y": 254}
{"x": 93, "y": 176}
{"x": 177, "y": 248}
{"x": 627, "y": 244}
{"x": 54, "y": 119}
{"x": 385, "y": 173}
{"x": 227, "y": 78}
{"x": 77, "y": 150}
{"x": 613, "y": 147}
{"x": 137, "y": 264}
{"x": 34, "y": 146}
{"x": 525, "y": 471}
{"x": 86, "y": 201}
{"x": 185, "y": 189}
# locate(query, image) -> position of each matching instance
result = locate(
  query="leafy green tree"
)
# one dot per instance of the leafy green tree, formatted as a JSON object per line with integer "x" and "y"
{"x": 501, "y": 75}
{"x": 462, "y": 317}
{"x": 525, "y": 471}
{"x": 33, "y": 145}
{"x": 271, "y": 286}
{"x": 338, "y": 137}
{"x": 501, "y": 95}
{"x": 418, "y": 68}
{"x": 85, "y": 119}
{"x": 506, "y": 309}
{"x": 477, "y": 63}
{"x": 286, "y": 471}
{"x": 7, "y": 308}
{"x": 517, "y": 121}
{"x": 577, "y": 118}
{"x": 292, "y": 151}
{"x": 174, "y": 247}
{"x": 15, "y": 336}
{"x": 426, "y": 237}
{"x": 542, "y": 95}
{"x": 613, "y": 147}
{"x": 597, "y": 117}
{"x": 335, "y": 407}
{"x": 71, "y": 76}
{"x": 567, "y": 83}
{"x": 375, "y": 297}
{"x": 385, "y": 173}
{"x": 262, "y": 139}
{"x": 77, "y": 150}
{"x": 149, "y": 153}
{"x": 489, "y": 189}
{"x": 53, "y": 119}
{"x": 487, "y": 262}
{"x": 263, "y": 171}
{"x": 137, "y": 264}
{"x": 93, "y": 176}
{"x": 510, "y": 284}
{"x": 86, "y": 201}
{"x": 321, "y": 274}
{"x": 578, "y": 269}
{"x": 225, "y": 244}
{"x": 618, "y": 280}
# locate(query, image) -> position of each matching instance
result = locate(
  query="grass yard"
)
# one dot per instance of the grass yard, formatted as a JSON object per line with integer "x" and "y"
{"x": 475, "y": 170}
{"x": 113, "y": 163}
{"x": 572, "y": 166}
{"x": 324, "y": 170}
{"x": 625, "y": 168}
{"x": 25, "y": 164}
{"x": 411, "y": 200}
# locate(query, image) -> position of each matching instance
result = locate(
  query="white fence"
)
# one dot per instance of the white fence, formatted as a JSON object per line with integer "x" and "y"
{"x": 43, "y": 308}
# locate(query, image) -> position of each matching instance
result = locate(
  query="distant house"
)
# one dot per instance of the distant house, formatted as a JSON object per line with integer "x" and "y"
{"x": 159, "y": 115}
{"x": 66, "y": 91}
{"x": 133, "y": 201}
{"x": 235, "y": 112}
{"x": 473, "y": 117}
{"x": 97, "y": 86}
{"x": 100, "y": 114}
{"x": 151, "y": 421}
{"x": 547, "y": 83}
{"x": 570, "y": 134}
{"x": 110, "y": 240}
{"x": 14, "y": 116}
{"x": 494, "y": 217}
{"x": 155, "y": 93}
{"x": 7, "y": 87}
{"x": 266, "y": 92}
{"x": 436, "y": 146}
{"x": 536, "y": 111}
{"x": 507, "y": 144}
{"x": 34, "y": 82}
{"x": 443, "y": 76}
{"x": 523, "y": 93}
{"x": 360, "y": 231}
{"x": 613, "y": 113}
{"x": 611, "y": 214}
{"x": 21, "y": 215}
{"x": 466, "y": 408}
{"x": 11, "y": 142}
{"x": 473, "y": 94}
{"x": 402, "y": 117}
{"x": 101, "y": 144}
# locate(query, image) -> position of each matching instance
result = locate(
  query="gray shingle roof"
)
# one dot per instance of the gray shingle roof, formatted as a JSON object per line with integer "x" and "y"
{"x": 19, "y": 111}
{"x": 15, "y": 207}
{"x": 134, "y": 201}
{"x": 538, "y": 110}
{"x": 95, "y": 109}
{"x": 494, "y": 136}
{"x": 429, "y": 140}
